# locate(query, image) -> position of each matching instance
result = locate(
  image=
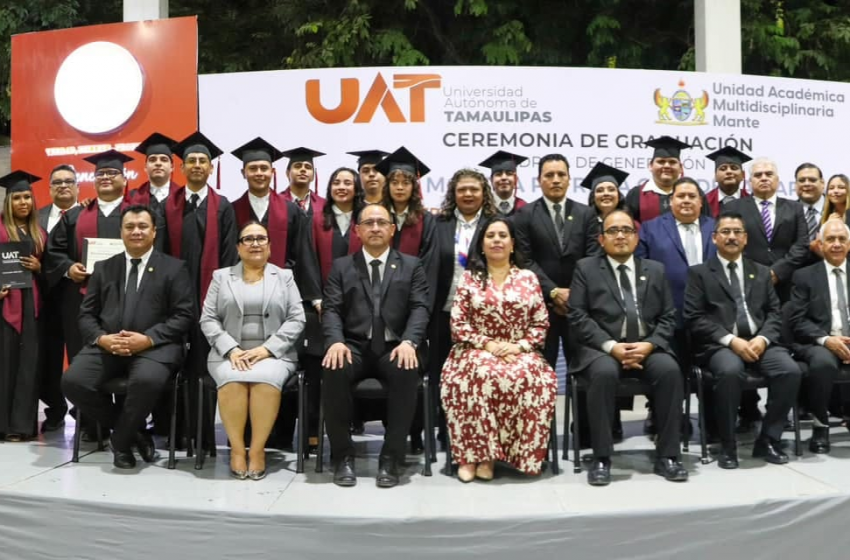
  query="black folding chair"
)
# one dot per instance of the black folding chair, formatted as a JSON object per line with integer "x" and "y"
{"x": 118, "y": 386}
{"x": 206, "y": 417}
{"x": 372, "y": 388}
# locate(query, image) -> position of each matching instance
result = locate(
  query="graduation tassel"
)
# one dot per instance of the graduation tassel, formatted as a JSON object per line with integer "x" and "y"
{"x": 218, "y": 176}
{"x": 274, "y": 179}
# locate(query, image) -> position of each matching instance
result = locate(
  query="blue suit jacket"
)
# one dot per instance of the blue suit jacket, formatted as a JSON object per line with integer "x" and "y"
{"x": 660, "y": 241}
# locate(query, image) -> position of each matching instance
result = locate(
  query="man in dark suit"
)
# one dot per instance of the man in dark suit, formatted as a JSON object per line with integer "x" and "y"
{"x": 554, "y": 233}
{"x": 504, "y": 179}
{"x": 729, "y": 175}
{"x": 63, "y": 193}
{"x": 375, "y": 316}
{"x": 622, "y": 317}
{"x": 820, "y": 321}
{"x": 777, "y": 234}
{"x": 733, "y": 313}
{"x": 133, "y": 320}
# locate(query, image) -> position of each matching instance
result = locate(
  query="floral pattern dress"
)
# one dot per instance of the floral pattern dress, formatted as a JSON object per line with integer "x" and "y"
{"x": 497, "y": 410}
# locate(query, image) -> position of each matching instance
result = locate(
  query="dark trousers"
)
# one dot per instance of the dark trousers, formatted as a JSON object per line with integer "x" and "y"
{"x": 72, "y": 299}
{"x": 52, "y": 350}
{"x": 823, "y": 368}
{"x": 401, "y": 387}
{"x": 146, "y": 381}
{"x": 663, "y": 373}
{"x": 783, "y": 378}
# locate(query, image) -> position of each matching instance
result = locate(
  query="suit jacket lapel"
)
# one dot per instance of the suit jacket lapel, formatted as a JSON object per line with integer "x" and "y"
{"x": 753, "y": 204}
{"x": 782, "y": 215}
{"x": 393, "y": 261}
{"x": 147, "y": 274}
{"x": 608, "y": 274}
{"x": 642, "y": 281}
{"x": 270, "y": 279}
{"x": 750, "y": 274}
{"x": 364, "y": 273}
{"x": 716, "y": 268}
{"x": 545, "y": 218}
{"x": 669, "y": 223}
{"x": 568, "y": 222}
{"x": 707, "y": 228}
{"x": 235, "y": 278}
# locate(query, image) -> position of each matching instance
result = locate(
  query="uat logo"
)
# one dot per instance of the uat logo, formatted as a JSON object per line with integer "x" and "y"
{"x": 378, "y": 96}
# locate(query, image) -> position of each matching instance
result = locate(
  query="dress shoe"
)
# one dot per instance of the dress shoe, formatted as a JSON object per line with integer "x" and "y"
{"x": 239, "y": 474}
{"x": 52, "y": 424}
{"x": 769, "y": 451}
{"x": 728, "y": 458}
{"x": 344, "y": 473}
{"x": 820, "y": 441}
{"x": 484, "y": 471}
{"x": 257, "y": 475}
{"x": 599, "y": 473}
{"x": 122, "y": 459}
{"x": 417, "y": 446}
{"x": 387, "y": 472}
{"x": 146, "y": 447}
{"x": 358, "y": 428}
{"x": 466, "y": 473}
{"x": 671, "y": 469}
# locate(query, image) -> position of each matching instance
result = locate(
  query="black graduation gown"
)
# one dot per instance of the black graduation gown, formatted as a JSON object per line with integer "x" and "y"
{"x": 427, "y": 253}
{"x": 20, "y": 370}
{"x": 62, "y": 252}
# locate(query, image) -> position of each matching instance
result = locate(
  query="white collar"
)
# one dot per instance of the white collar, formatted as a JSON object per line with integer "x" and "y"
{"x": 629, "y": 263}
{"x": 382, "y": 257}
{"x": 651, "y": 186}
{"x": 202, "y": 193}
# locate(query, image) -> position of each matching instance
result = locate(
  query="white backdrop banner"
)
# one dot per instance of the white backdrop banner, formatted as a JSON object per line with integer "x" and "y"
{"x": 454, "y": 117}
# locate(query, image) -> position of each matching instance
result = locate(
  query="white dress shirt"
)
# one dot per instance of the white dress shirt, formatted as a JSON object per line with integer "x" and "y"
{"x": 400, "y": 217}
{"x": 259, "y": 204}
{"x": 726, "y": 340}
{"x": 835, "y": 328}
{"x": 651, "y": 186}
{"x": 106, "y": 208}
{"x": 160, "y": 193}
{"x": 142, "y": 267}
{"x": 388, "y": 334}
{"x": 551, "y": 207}
{"x": 696, "y": 234}
{"x": 56, "y": 215}
{"x": 630, "y": 273}
{"x": 771, "y": 209}
{"x": 343, "y": 220}
{"x": 511, "y": 201}
{"x": 464, "y": 231}
{"x": 202, "y": 194}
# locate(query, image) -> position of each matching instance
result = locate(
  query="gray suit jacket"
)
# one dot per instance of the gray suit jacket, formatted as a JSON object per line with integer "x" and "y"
{"x": 283, "y": 314}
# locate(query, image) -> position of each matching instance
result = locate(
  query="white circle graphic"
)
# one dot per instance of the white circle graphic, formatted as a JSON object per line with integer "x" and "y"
{"x": 98, "y": 87}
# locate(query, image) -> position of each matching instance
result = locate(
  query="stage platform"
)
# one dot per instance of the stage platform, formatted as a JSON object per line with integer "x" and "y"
{"x": 51, "y": 508}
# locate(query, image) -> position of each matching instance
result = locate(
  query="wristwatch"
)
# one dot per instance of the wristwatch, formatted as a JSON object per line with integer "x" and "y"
{"x": 553, "y": 293}
{"x": 409, "y": 342}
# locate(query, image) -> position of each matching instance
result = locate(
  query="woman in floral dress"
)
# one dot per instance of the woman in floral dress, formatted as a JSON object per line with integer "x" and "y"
{"x": 497, "y": 390}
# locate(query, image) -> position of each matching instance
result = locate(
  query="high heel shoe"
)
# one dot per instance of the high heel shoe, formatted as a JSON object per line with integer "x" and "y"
{"x": 466, "y": 473}
{"x": 484, "y": 471}
{"x": 257, "y": 475}
{"x": 239, "y": 475}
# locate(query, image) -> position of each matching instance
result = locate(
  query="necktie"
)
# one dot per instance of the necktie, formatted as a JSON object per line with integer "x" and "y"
{"x": 130, "y": 295}
{"x": 632, "y": 328}
{"x": 192, "y": 205}
{"x": 842, "y": 301}
{"x": 504, "y": 206}
{"x": 765, "y": 219}
{"x": 377, "y": 343}
{"x": 691, "y": 251}
{"x": 741, "y": 320}
{"x": 727, "y": 198}
{"x": 62, "y": 212}
{"x": 812, "y": 222}
{"x": 302, "y": 203}
{"x": 559, "y": 222}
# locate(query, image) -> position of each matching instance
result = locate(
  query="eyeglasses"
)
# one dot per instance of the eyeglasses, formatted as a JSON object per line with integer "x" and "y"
{"x": 373, "y": 223}
{"x": 111, "y": 173}
{"x": 63, "y": 182}
{"x": 260, "y": 240}
{"x": 731, "y": 231}
{"x": 615, "y": 231}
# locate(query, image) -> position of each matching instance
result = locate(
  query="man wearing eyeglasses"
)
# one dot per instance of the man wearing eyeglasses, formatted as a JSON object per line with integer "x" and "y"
{"x": 733, "y": 313}
{"x": 622, "y": 318}
{"x": 63, "y": 192}
{"x": 375, "y": 317}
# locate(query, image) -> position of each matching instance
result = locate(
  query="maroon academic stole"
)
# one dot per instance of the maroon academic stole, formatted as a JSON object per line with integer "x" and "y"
{"x": 324, "y": 240}
{"x": 650, "y": 204}
{"x": 411, "y": 238}
{"x": 174, "y": 217}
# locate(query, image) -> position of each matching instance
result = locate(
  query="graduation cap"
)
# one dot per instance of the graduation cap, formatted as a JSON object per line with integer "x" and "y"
{"x": 602, "y": 173}
{"x": 156, "y": 144}
{"x": 299, "y": 154}
{"x": 502, "y": 161}
{"x": 257, "y": 150}
{"x": 196, "y": 143}
{"x": 18, "y": 181}
{"x": 368, "y": 157}
{"x": 110, "y": 159}
{"x": 666, "y": 146}
{"x": 402, "y": 160}
{"x": 728, "y": 154}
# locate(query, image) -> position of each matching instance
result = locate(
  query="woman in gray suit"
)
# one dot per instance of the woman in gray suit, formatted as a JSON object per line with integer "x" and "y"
{"x": 253, "y": 320}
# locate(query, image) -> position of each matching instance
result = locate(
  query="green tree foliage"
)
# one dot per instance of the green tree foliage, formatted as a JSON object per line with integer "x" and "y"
{"x": 795, "y": 38}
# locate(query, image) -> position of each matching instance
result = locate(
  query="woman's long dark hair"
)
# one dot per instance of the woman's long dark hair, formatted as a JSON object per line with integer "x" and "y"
{"x": 477, "y": 263}
{"x": 415, "y": 208}
{"x": 591, "y": 200}
{"x": 328, "y": 219}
